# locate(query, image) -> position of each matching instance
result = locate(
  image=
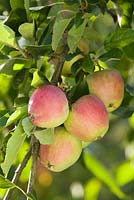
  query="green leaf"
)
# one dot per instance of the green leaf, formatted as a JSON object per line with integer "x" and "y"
{"x": 130, "y": 88}
{"x": 119, "y": 38}
{"x": 113, "y": 54}
{"x": 87, "y": 65}
{"x": 45, "y": 136}
{"x": 128, "y": 50}
{"x": 5, "y": 84}
{"x": 40, "y": 13}
{"x": 27, "y": 30}
{"x": 5, "y": 183}
{"x": 13, "y": 146}
{"x": 124, "y": 111}
{"x": 37, "y": 80}
{"x": 102, "y": 174}
{"x": 16, "y": 4}
{"x": 75, "y": 34}
{"x": 38, "y": 50}
{"x": 7, "y": 36}
{"x": 26, "y": 5}
{"x": 12, "y": 66}
{"x": 125, "y": 173}
{"x": 15, "y": 19}
{"x": 19, "y": 112}
{"x": 27, "y": 126}
{"x": 92, "y": 189}
{"x": 60, "y": 25}
{"x": 126, "y": 13}
{"x": 3, "y": 148}
{"x": 3, "y": 120}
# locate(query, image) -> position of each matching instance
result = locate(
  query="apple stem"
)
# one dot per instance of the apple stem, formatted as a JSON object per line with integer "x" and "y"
{"x": 18, "y": 172}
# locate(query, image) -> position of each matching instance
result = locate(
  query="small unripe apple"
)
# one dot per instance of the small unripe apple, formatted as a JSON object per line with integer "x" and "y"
{"x": 63, "y": 153}
{"x": 108, "y": 86}
{"x": 83, "y": 45}
{"x": 88, "y": 118}
{"x": 48, "y": 107}
{"x": 68, "y": 64}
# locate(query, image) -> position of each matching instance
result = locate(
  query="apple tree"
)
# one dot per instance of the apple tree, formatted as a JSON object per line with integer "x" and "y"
{"x": 66, "y": 99}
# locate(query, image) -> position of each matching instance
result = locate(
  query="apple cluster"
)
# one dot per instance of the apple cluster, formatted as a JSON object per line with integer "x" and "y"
{"x": 86, "y": 120}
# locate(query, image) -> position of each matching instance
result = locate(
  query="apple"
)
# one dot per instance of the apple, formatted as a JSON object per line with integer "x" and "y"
{"x": 63, "y": 153}
{"x": 83, "y": 45}
{"x": 48, "y": 107}
{"x": 88, "y": 118}
{"x": 43, "y": 175}
{"x": 108, "y": 85}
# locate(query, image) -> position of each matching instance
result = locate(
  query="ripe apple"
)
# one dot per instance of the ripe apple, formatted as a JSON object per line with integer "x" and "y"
{"x": 88, "y": 118}
{"x": 63, "y": 153}
{"x": 48, "y": 107}
{"x": 108, "y": 86}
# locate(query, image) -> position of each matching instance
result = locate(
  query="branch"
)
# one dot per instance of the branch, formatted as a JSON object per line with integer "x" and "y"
{"x": 58, "y": 70}
{"x": 18, "y": 173}
{"x": 35, "y": 142}
{"x": 35, "y": 152}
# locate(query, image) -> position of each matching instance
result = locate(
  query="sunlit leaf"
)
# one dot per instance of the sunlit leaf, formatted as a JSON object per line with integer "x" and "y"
{"x": 13, "y": 147}
{"x": 127, "y": 13}
{"x": 19, "y": 112}
{"x": 36, "y": 81}
{"x": 125, "y": 173}
{"x": 102, "y": 173}
{"x": 5, "y": 183}
{"x": 27, "y": 126}
{"x": 27, "y": 30}
{"x": 92, "y": 189}
{"x": 7, "y": 36}
{"x": 45, "y": 136}
{"x": 131, "y": 120}
{"x": 5, "y": 83}
{"x": 17, "y": 4}
{"x": 11, "y": 66}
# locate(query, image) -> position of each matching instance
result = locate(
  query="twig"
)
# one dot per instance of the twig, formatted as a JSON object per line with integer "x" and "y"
{"x": 18, "y": 173}
{"x": 35, "y": 152}
{"x": 58, "y": 70}
{"x": 35, "y": 142}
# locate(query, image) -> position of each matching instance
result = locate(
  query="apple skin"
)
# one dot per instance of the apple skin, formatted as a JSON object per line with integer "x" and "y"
{"x": 48, "y": 107}
{"x": 88, "y": 118}
{"x": 108, "y": 85}
{"x": 63, "y": 153}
